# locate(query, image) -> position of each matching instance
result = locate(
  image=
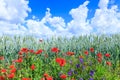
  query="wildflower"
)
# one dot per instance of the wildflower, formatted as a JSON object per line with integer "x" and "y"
{"x": 41, "y": 40}
{"x": 26, "y": 79}
{"x": 81, "y": 79}
{"x": 91, "y": 49}
{"x": 20, "y": 52}
{"x": 70, "y": 53}
{"x": 107, "y": 55}
{"x": 31, "y": 51}
{"x": 42, "y": 79}
{"x": 70, "y": 73}
{"x": 99, "y": 55}
{"x": 86, "y": 52}
{"x": 78, "y": 65}
{"x": 3, "y": 70}
{"x": 91, "y": 79}
{"x": 32, "y": 67}
{"x": 55, "y": 50}
{"x": 2, "y": 78}
{"x": 39, "y": 51}
{"x": 46, "y": 75}
{"x": 12, "y": 66}
{"x": 11, "y": 75}
{"x": 73, "y": 79}
{"x": 108, "y": 63}
{"x": 61, "y": 61}
{"x": 1, "y": 57}
{"x": 91, "y": 73}
{"x": 99, "y": 60}
{"x": 49, "y": 78}
{"x": 24, "y": 50}
{"x": 19, "y": 60}
{"x": 13, "y": 70}
{"x": 81, "y": 60}
{"x": 63, "y": 76}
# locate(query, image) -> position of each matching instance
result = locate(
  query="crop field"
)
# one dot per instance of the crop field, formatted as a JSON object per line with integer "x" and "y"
{"x": 78, "y": 58}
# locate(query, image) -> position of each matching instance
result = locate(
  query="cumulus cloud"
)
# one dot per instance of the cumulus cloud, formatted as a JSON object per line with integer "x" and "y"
{"x": 106, "y": 20}
{"x": 13, "y": 13}
{"x": 79, "y": 25}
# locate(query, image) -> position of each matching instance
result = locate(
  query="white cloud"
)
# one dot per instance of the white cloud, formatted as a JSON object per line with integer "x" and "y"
{"x": 13, "y": 11}
{"x": 79, "y": 25}
{"x": 106, "y": 20}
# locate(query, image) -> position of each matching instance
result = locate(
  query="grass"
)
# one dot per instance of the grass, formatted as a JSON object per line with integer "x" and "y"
{"x": 42, "y": 58}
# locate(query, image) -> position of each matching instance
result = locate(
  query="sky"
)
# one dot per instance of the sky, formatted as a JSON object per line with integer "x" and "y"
{"x": 46, "y": 18}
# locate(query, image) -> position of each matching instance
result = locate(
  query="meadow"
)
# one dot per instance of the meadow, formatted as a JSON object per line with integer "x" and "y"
{"x": 88, "y": 57}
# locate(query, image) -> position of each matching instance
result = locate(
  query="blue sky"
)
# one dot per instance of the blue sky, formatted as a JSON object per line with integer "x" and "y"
{"x": 45, "y": 18}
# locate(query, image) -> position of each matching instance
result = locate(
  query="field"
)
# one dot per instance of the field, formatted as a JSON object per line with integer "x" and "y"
{"x": 78, "y": 58}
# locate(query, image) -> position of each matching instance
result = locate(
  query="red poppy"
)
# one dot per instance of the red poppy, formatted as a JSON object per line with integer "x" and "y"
{"x": 31, "y": 51}
{"x": 86, "y": 52}
{"x": 3, "y": 70}
{"x": 70, "y": 53}
{"x": 49, "y": 78}
{"x": 91, "y": 49}
{"x": 61, "y": 61}
{"x": 2, "y": 78}
{"x": 39, "y": 51}
{"x": 1, "y": 57}
{"x": 99, "y": 60}
{"x": 55, "y": 50}
{"x": 12, "y": 66}
{"x": 20, "y": 52}
{"x": 107, "y": 55}
{"x": 19, "y": 60}
{"x": 63, "y": 76}
{"x": 26, "y": 79}
{"x": 45, "y": 75}
{"x": 25, "y": 50}
{"x": 99, "y": 55}
{"x": 42, "y": 79}
{"x": 108, "y": 63}
{"x": 13, "y": 70}
{"x": 32, "y": 67}
{"x": 11, "y": 75}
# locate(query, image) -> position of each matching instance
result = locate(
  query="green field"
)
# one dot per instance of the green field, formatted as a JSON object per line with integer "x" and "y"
{"x": 78, "y": 58}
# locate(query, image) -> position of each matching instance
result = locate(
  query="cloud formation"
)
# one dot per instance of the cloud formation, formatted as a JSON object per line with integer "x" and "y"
{"x": 13, "y": 21}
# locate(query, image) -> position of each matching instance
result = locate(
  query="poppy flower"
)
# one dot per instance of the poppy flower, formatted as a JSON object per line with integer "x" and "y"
{"x": 13, "y": 70}
{"x": 12, "y": 66}
{"x": 108, "y": 63}
{"x": 61, "y": 61}
{"x": 86, "y": 52}
{"x": 91, "y": 49}
{"x": 20, "y": 52}
{"x": 49, "y": 78}
{"x": 26, "y": 79}
{"x": 19, "y": 60}
{"x": 1, "y": 57}
{"x": 63, "y": 76}
{"x": 42, "y": 79}
{"x": 55, "y": 50}
{"x": 31, "y": 51}
{"x": 39, "y": 51}
{"x": 32, "y": 67}
{"x": 70, "y": 53}
{"x": 45, "y": 75}
{"x": 24, "y": 50}
{"x": 11, "y": 75}
{"x": 2, "y": 78}
{"x": 3, "y": 70}
{"x": 99, "y": 60}
{"x": 99, "y": 55}
{"x": 107, "y": 55}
